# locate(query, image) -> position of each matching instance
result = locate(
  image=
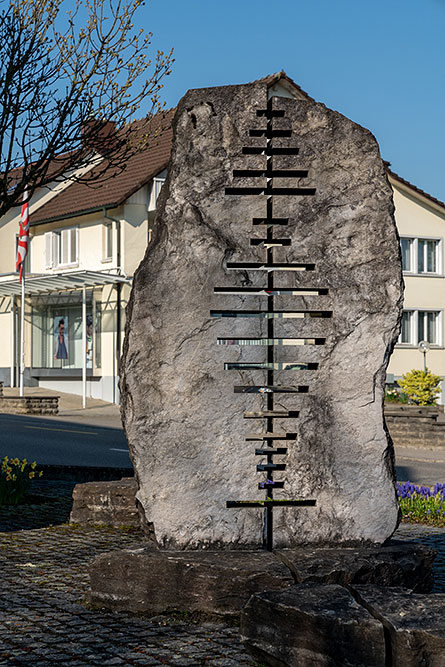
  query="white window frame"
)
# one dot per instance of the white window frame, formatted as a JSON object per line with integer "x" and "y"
{"x": 416, "y": 313}
{"x": 414, "y": 255}
{"x": 155, "y": 190}
{"x": 54, "y": 248}
{"x": 107, "y": 254}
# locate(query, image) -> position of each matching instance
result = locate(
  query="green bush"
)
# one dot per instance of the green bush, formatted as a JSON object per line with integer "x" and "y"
{"x": 15, "y": 478}
{"x": 421, "y": 387}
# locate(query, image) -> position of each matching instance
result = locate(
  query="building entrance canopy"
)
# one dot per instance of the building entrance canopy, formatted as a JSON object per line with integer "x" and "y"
{"x": 60, "y": 282}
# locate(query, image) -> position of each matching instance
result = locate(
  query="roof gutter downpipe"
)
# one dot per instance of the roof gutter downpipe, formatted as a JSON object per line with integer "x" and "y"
{"x": 118, "y": 298}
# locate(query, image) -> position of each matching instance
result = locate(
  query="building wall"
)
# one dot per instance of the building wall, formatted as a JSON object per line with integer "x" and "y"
{"x": 416, "y": 217}
{"x": 131, "y": 221}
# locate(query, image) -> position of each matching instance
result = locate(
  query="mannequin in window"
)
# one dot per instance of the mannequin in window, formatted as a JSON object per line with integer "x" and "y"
{"x": 60, "y": 348}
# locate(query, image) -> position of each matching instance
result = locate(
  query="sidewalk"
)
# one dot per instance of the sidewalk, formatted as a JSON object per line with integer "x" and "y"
{"x": 96, "y": 413}
{"x": 43, "y": 620}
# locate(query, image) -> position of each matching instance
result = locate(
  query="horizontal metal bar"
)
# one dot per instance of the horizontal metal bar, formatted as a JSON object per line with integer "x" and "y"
{"x": 271, "y": 113}
{"x": 270, "y": 173}
{"x": 270, "y": 150}
{"x": 265, "y": 467}
{"x": 271, "y": 436}
{"x": 269, "y": 133}
{"x": 273, "y": 266}
{"x": 275, "y": 414}
{"x": 270, "y": 221}
{"x": 271, "y": 484}
{"x": 272, "y": 314}
{"x": 278, "y": 451}
{"x": 269, "y": 190}
{"x": 271, "y": 366}
{"x": 270, "y": 389}
{"x": 271, "y": 341}
{"x": 304, "y": 291}
{"x": 270, "y": 503}
{"x": 266, "y": 243}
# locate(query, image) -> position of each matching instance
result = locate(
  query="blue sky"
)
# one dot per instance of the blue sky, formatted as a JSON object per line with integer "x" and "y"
{"x": 380, "y": 63}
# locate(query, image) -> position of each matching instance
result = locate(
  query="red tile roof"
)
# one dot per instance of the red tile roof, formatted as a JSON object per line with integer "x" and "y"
{"x": 81, "y": 198}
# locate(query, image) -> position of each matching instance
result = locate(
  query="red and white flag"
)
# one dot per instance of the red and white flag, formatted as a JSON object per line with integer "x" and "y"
{"x": 22, "y": 247}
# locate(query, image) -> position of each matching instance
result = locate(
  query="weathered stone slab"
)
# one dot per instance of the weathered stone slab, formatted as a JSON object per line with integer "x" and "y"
{"x": 397, "y": 563}
{"x": 149, "y": 581}
{"x": 312, "y": 626}
{"x": 416, "y": 624}
{"x": 184, "y": 423}
{"x": 111, "y": 503}
{"x": 154, "y": 582}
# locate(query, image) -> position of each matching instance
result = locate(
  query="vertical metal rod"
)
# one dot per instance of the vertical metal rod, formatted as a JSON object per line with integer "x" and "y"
{"x": 12, "y": 371}
{"x": 22, "y": 336}
{"x": 270, "y": 334}
{"x": 84, "y": 347}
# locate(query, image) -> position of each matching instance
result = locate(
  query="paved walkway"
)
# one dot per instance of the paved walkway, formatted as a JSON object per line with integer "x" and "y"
{"x": 43, "y": 621}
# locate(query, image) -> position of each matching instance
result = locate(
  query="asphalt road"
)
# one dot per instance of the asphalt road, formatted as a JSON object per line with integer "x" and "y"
{"x": 52, "y": 442}
{"x": 74, "y": 441}
{"x": 420, "y": 465}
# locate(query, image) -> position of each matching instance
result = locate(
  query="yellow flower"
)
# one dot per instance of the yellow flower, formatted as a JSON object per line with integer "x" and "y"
{"x": 40, "y": 473}
{"x": 14, "y": 478}
{"x": 33, "y": 465}
{"x": 8, "y": 478}
{"x": 24, "y": 462}
{"x": 16, "y": 462}
{"x": 8, "y": 470}
{"x": 31, "y": 475}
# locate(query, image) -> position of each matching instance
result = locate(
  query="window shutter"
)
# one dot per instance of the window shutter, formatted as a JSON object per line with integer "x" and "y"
{"x": 64, "y": 247}
{"x": 48, "y": 250}
{"x": 74, "y": 244}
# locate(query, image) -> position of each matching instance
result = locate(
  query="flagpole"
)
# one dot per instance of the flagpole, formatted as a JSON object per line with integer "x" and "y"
{"x": 22, "y": 335}
{"x": 22, "y": 251}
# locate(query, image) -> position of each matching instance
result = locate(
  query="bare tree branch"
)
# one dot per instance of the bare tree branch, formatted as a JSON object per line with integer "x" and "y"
{"x": 70, "y": 83}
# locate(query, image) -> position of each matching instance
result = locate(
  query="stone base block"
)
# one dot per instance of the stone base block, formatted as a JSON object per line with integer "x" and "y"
{"x": 156, "y": 582}
{"x": 220, "y": 582}
{"x": 312, "y": 625}
{"x": 111, "y": 503}
{"x": 397, "y": 563}
{"x": 415, "y": 624}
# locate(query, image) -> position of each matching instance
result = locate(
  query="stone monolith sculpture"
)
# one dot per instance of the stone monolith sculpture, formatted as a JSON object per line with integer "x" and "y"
{"x": 279, "y": 208}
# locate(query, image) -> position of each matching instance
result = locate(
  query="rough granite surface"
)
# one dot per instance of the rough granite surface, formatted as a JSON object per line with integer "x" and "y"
{"x": 183, "y": 421}
{"x": 416, "y": 624}
{"x": 311, "y": 626}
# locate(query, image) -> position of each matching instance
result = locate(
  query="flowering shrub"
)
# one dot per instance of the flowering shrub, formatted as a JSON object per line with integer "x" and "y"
{"x": 421, "y": 387}
{"x": 15, "y": 478}
{"x": 420, "y": 504}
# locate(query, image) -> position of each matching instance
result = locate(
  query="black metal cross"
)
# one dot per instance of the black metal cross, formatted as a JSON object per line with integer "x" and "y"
{"x": 269, "y": 450}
